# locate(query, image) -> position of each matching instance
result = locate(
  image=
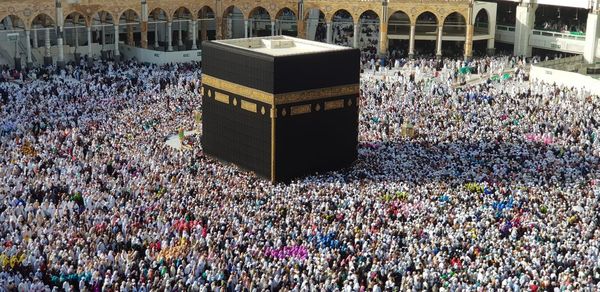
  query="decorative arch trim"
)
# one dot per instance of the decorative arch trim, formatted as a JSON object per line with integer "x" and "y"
{"x": 151, "y": 11}
{"x": 411, "y": 19}
{"x": 39, "y": 14}
{"x": 192, "y": 15}
{"x": 439, "y": 19}
{"x": 253, "y": 10}
{"x": 231, "y": 7}
{"x": 371, "y": 10}
{"x": 280, "y": 11}
{"x": 487, "y": 12}
{"x": 443, "y": 19}
{"x": 336, "y": 11}
{"x": 122, "y": 12}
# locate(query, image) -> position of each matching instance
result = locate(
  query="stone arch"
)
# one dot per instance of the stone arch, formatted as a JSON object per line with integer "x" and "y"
{"x": 427, "y": 22}
{"x": 157, "y": 12}
{"x": 45, "y": 25}
{"x": 283, "y": 10}
{"x": 73, "y": 23}
{"x": 260, "y": 22}
{"x": 103, "y": 16}
{"x": 370, "y": 13}
{"x": 206, "y": 9}
{"x": 182, "y": 18}
{"x": 400, "y": 18}
{"x": 343, "y": 12}
{"x": 157, "y": 23}
{"x": 319, "y": 26}
{"x": 322, "y": 14}
{"x": 427, "y": 25}
{"x": 183, "y": 11}
{"x": 398, "y": 29}
{"x": 130, "y": 18}
{"x": 285, "y": 21}
{"x": 342, "y": 26}
{"x": 481, "y": 16}
{"x": 411, "y": 19}
{"x": 368, "y": 32}
{"x": 195, "y": 9}
{"x": 232, "y": 8}
{"x": 455, "y": 23}
{"x": 207, "y": 23}
{"x": 103, "y": 21}
{"x": 76, "y": 14}
{"x": 453, "y": 13}
{"x": 16, "y": 22}
{"x": 154, "y": 10}
{"x": 16, "y": 25}
{"x": 43, "y": 19}
{"x": 259, "y": 9}
{"x": 482, "y": 9}
{"x": 233, "y": 26}
{"x": 128, "y": 11}
{"x": 419, "y": 16}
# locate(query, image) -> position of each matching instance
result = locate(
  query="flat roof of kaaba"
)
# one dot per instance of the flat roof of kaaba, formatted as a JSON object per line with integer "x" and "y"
{"x": 281, "y": 45}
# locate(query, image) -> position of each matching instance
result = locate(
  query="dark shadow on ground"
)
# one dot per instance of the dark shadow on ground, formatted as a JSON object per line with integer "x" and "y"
{"x": 456, "y": 163}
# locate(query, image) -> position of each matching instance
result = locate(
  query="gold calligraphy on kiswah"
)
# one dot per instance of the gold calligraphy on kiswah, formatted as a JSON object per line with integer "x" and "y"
{"x": 281, "y": 98}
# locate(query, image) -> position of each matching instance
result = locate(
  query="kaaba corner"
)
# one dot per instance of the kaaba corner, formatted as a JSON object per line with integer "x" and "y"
{"x": 279, "y": 106}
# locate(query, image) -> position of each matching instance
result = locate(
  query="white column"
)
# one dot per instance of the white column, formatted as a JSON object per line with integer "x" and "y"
{"x": 144, "y": 25}
{"x": 591, "y": 38}
{"x": 117, "y": 53}
{"x": 156, "y": 35}
{"x": 198, "y": 31}
{"x": 280, "y": 28}
{"x": 411, "y": 41}
{"x": 75, "y": 37}
{"x": 47, "y": 42}
{"x": 179, "y": 36}
{"x": 491, "y": 43}
{"x": 188, "y": 37}
{"x": 356, "y": 35}
{"x": 525, "y": 18}
{"x": 35, "y": 38}
{"x": 17, "y": 53}
{"x": 61, "y": 49}
{"x": 245, "y": 28}
{"x": 328, "y": 37}
{"x": 194, "y": 31}
{"x": 60, "y": 33}
{"x": 103, "y": 37}
{"x": 273, "y": 28}
{"x": 438, "y": 51}
{"x": 28, "y": 45}
{"x": 250, "y": 27}
{"x": 89, "y": 40}
{"x": 169, "y": 36}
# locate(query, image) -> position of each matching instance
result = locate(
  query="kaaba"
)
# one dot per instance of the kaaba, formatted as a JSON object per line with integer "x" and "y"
{"x": 279, "y": 106}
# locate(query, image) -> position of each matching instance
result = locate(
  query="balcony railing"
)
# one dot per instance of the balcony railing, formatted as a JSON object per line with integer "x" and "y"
{"x": 505, "y": 28}
{"x": 572, "y": 35}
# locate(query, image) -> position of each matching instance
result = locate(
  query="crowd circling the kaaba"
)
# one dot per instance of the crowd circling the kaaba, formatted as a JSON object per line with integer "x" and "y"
{"x": 497, "y": 189}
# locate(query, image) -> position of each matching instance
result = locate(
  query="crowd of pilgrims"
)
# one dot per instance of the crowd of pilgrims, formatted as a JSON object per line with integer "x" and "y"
{"x": 496, "y": 191}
